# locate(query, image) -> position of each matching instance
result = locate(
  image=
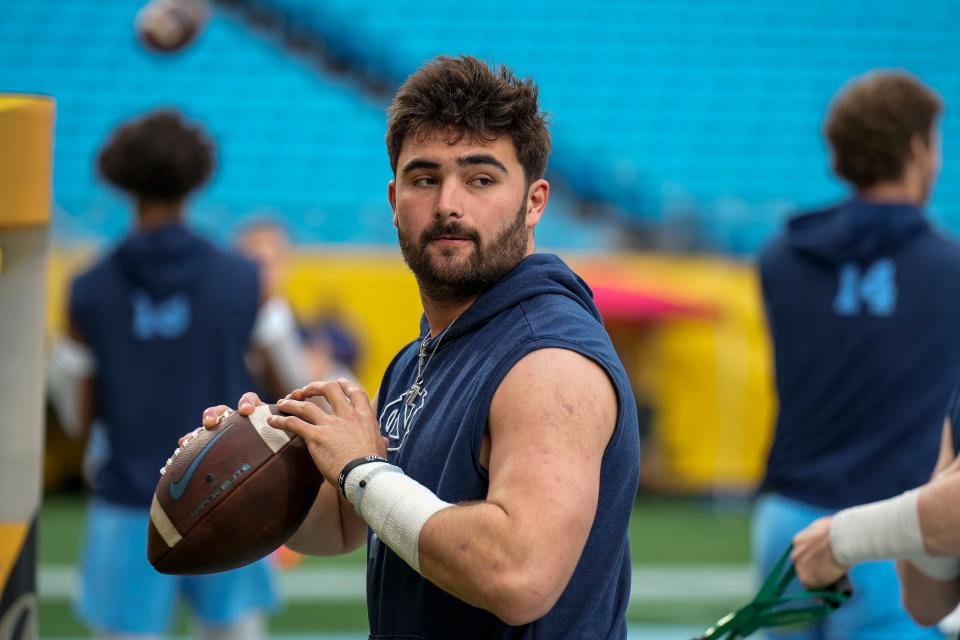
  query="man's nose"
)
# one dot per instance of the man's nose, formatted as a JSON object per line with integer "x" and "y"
{"x": 450, "y": 201}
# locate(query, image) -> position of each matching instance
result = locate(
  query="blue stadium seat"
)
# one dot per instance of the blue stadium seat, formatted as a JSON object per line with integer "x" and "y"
{"x": 306, "y": 147}
{"x": 723, "y": 97}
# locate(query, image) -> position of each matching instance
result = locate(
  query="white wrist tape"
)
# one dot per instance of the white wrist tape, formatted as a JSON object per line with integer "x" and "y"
{"x": 879, "y": 530}
{"x": 71, "y": 362}
{"x": 275, "y": 331}
{"x": 74, "y": 357}
{"x": 394, "y": 505}
{"x": 274, "y": 321}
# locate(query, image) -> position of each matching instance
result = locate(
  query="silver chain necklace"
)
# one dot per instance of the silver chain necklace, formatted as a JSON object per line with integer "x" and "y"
{"x": 423, "y": 362}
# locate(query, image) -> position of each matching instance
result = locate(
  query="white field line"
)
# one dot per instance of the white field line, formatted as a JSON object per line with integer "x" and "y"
{"x": 348, "y": 584}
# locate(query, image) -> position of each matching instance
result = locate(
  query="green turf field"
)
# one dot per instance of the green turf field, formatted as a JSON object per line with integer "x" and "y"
{"x": 690, "y": 568}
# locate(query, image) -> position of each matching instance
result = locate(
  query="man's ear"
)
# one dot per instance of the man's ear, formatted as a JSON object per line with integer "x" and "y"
{"x": 537, "y": 196}
{"x": 392, "y": 197}
{"x": 919, "y": 147}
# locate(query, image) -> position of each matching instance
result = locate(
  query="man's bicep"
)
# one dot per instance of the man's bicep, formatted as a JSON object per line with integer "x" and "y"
{"x": 550, "y": 422}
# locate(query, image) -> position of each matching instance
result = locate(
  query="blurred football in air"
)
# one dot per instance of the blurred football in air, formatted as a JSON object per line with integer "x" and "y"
{"x": 229, "y": 496}
{"x": 166, "y": 26}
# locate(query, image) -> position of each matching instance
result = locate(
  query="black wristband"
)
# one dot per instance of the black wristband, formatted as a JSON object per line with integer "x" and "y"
{"x": 353, "y": 464}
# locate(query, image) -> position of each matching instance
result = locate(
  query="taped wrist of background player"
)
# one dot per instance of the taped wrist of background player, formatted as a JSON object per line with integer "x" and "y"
{"x": 71, "y": 364}
{"x": 275, "y": 331}
{"x": 887, "y": 529}
{"x": 394, "y": 505}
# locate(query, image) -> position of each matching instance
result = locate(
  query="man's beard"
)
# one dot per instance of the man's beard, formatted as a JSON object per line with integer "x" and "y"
{"x": 446, "y": 281}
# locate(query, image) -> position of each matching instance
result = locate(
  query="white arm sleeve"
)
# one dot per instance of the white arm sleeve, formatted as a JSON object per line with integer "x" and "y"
{"x": 71, "y": 363}
{"x": 887, "y": 529}
{"x": 275, "y": 331}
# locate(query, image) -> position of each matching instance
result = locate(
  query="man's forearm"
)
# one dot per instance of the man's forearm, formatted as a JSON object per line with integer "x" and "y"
{"x": 331, "y": 527}
{"x": 477, "y": 552}
{"x": 920, "y": 526}
{"x": 918, "y": 523}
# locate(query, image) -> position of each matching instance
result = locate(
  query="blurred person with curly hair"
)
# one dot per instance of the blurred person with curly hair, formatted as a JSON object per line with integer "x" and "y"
{"x": 150, "y": 318}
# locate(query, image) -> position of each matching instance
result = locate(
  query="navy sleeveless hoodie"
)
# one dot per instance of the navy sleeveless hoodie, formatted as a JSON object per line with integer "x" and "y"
{"x": 863, "y": 305}
{"x": 168, "y": 317}
{"x": 540, "y": 304}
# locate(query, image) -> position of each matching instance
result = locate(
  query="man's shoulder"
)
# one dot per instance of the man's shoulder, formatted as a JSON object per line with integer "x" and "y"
{"x": 562, "y": 364}
{"x": 943, "y": 246}
{"x": 242, "y": 274}
{"x": 101, "y": 275}
{"x": 232, "y": 261}
{"x": 778, "y": 247}
{"x": 774, "y": 249}
{"x": 552, "y": 311}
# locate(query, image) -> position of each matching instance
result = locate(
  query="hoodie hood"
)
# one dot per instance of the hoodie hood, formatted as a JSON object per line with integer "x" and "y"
{"x": 164, "y": 260}
{"x": 854, "y": 230}
{"x": 536, "y": 275}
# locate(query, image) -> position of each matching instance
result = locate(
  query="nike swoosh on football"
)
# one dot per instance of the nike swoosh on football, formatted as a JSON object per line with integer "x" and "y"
{"x": 177, "y": 489}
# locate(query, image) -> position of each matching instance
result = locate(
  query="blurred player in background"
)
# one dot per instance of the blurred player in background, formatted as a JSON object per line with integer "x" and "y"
{"x": 510, "y": 424}
{"x": 163, "y": 314}
{"x": 285, "y": 364}
{"x": 333, "y": 349}
{"x": 863, "y": 305}
{"x": 325, "y": 349}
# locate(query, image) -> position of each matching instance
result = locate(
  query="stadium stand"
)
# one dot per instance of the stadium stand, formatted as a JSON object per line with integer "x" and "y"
{"x": 293, "y": 142}
{"x": 697, "y": 117}
{"x": 666, "y": 110}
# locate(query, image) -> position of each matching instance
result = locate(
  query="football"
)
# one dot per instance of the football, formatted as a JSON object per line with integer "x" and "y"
{"x": 230, "y": 495}
{"x": 165, "y": 26}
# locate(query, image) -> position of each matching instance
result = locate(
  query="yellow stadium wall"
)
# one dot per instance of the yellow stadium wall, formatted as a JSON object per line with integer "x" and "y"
{"x": 709, "y": 379}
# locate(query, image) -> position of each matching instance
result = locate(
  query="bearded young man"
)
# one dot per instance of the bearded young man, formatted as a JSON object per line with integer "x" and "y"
{"x": 495, "y": 481}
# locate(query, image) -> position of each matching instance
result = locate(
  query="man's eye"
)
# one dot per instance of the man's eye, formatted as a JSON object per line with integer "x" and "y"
{"x": 423, "y": 181}
{"x": 481, "y": 181}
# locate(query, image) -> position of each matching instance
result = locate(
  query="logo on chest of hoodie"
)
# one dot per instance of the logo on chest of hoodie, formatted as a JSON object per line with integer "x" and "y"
{"x": 167, "y": 319}
{"x": 397, "y": 417}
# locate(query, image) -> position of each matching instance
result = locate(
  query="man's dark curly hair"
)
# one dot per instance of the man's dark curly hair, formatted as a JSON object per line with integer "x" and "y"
{"x": 466, "y": 97}
{"x": 158, "y": 156}
{"x": 871, "y": 123}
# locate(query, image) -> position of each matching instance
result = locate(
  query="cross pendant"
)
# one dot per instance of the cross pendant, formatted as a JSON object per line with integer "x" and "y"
{"x": 413, "y": 394}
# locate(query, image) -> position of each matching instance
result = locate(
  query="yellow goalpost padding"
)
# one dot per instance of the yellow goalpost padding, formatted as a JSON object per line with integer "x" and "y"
{"x": 26, "y": 144}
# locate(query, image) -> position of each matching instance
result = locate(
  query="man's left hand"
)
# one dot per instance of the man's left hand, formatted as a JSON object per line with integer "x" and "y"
{"x": 812, "y": 556}
{"x": 348, "y": 431}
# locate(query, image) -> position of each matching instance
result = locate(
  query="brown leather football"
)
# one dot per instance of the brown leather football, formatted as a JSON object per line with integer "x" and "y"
{"x": 230, "y": 495}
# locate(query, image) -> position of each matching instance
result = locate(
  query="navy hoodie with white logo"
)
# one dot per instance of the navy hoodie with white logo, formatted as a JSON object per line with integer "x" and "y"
{"x": 863, "y": 306}
{"x": 436, "y": 439}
